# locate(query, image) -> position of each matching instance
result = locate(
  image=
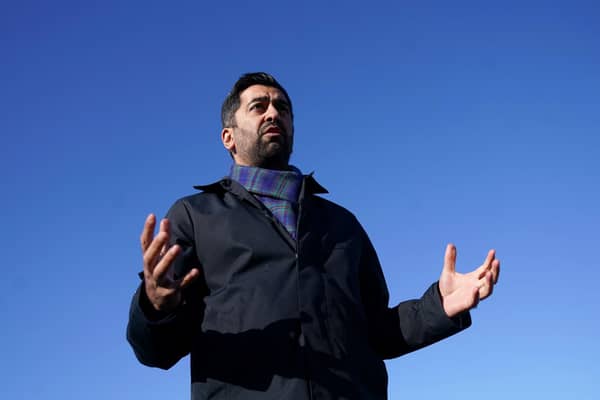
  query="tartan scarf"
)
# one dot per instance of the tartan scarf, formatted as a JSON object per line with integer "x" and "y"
{"x": 277, "y": 190}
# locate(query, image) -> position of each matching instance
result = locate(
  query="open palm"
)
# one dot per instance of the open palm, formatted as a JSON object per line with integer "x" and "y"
{"x": 461, "y": 292}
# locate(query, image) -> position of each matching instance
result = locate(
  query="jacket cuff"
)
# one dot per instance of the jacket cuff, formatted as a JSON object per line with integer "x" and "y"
{"x": 437, "y": 317}
{"x": 146, "y": 313}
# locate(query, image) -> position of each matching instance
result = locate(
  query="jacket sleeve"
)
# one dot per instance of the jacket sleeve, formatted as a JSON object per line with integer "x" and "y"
{"x": 159, "y": 339}
{"x": 412, "y": 324}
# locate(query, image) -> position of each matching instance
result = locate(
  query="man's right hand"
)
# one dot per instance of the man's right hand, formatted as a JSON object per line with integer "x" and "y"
{"x": 163, "y": 292}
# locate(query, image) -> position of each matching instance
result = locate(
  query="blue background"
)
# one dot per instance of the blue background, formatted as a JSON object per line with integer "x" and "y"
{"x": 467, "y": 122}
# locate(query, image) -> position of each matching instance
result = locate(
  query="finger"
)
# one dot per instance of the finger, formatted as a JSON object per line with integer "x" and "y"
{"x": 487, "y": 263}
{"x": 164, "y": 227}
{"x": 470, "y": 299}
{"x": 152, "y": 253}
{"x": 160, "y": 271}
{"x": 491, "y": 255}
{"x": 486, "y": 287}
{"x": 450, "y": 259}
{"x": 189, "y": 278}
{"x": 495, "y": 271}
{"x": 147, "y": 232}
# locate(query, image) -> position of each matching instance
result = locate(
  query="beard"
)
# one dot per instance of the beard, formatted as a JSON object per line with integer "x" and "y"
{"x": 268, "y": 151}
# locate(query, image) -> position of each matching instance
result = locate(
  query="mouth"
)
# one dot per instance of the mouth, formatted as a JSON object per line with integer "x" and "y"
{"x": 272, "y": 130}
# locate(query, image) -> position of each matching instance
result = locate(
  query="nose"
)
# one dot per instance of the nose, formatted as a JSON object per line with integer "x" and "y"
{"x": 272, "y": 113}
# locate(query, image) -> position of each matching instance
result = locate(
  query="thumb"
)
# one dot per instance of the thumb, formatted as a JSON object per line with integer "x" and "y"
{"x": 450, "y": 259}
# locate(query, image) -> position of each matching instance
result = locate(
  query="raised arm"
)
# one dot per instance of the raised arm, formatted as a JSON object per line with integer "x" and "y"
{"x": 161, "y": 322}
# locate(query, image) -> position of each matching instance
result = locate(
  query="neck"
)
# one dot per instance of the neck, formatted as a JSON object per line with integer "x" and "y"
{"x": 265, "y": 164}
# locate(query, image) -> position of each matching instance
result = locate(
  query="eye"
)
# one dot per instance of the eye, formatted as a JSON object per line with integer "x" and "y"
{"x": 283, "y": 107}
{"x": 257, "y": 107}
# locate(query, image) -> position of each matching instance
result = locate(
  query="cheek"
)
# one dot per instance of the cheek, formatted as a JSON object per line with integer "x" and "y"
{"x": 289, "y": 127}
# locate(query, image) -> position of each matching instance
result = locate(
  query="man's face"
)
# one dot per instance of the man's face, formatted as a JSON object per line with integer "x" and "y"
{"x": 263, "y": 133}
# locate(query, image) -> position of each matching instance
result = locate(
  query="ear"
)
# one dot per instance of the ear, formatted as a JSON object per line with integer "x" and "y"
{"x": 227, "y": 139}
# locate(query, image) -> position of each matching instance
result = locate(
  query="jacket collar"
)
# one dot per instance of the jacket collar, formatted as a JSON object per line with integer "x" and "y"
{"x": 311, "y": 186}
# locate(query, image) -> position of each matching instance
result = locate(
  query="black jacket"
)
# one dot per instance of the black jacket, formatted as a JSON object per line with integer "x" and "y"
{"x": 275, "y": 318}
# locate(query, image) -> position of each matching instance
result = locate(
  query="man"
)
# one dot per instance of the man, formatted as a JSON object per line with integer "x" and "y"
{"x": 275, "y": 292}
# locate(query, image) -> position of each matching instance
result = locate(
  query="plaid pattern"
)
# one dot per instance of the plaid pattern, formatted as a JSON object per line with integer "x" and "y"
{"x": 277, "y": 190}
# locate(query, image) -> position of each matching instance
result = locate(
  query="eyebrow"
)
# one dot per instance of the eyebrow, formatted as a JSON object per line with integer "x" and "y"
{"x": 259, "y": 99}
{"x": 267, "y": 99}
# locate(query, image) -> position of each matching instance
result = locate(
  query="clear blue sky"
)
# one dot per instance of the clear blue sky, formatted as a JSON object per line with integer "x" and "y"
{"x": 438, "y": 122}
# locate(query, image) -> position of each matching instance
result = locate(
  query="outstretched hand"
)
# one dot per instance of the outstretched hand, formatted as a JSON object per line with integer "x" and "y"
{"x": 461, "y": 292}
{"x": 162, "y": 290}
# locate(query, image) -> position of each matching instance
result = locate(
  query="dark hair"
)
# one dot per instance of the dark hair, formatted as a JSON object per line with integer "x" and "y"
{"x": 232, "y": 101}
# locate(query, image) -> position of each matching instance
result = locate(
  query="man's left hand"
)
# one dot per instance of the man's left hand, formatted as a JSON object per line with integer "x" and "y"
{"x": 461, "y": 292}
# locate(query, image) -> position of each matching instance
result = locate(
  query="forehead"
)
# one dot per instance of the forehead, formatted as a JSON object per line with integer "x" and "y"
{"x": 258, "y": 91}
